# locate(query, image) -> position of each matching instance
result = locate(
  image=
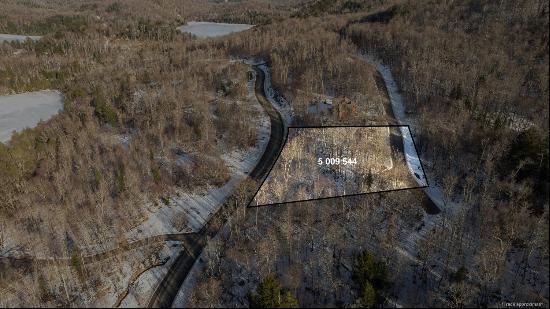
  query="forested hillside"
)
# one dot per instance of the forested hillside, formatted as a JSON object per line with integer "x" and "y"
{"x": 150, "y": 112}
{"x": 474, "y": 76}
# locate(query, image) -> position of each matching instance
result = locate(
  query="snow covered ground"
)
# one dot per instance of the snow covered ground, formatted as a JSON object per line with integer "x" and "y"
{"x": 274, "y": 98}
{"x": 197, "y": 208}
{"x": 19, "y": 38}
{"x": 25, "y": 110}
{"x": 209, "y": 29}
{"x": 319, "y": 108}
{"x": 399, "y": 112}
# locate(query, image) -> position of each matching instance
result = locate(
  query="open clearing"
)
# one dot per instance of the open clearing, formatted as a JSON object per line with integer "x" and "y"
{"x": 323, "y": 162}
{"x": 209, "y": 29}
{"x": 25, "y": 110}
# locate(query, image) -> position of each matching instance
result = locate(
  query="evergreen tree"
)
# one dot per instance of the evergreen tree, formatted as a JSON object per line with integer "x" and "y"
{"x": 370, "y": 276}
{"x": 270, "y": 295}
{"x": 367, "y": 269}
{"x": 369, "y": 297}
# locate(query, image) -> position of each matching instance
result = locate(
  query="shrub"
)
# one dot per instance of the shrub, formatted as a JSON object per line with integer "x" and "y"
{"x": 45, "y": 293}
{"x": 367, "y": 269}
{"x": 370, "y": 179}
{"x": 120, "y": 184}
{"x": 103, "y": 110}
{"x": 98, "y": 178}
{"x": 387, "y": 15}
{"x": 156, "y": 174}
{"x": 21, "y": 152}
{"x": 369, "y": 297}
{"x": 460, "y": 275}
{"x": 76, "y": 262}
{"x": 351, "y": 6}
{"x": 270, "y": 295}
{"x": 531, "y": 147}
{"x": 370, "y": 276}
{"x": 113, "y": 8}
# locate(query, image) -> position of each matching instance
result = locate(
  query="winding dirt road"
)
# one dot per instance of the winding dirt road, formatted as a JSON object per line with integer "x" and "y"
{"x": 192, "y": 243}
{"x": 166, "y": 291}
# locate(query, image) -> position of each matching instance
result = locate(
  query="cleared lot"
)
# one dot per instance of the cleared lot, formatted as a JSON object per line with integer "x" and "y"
{"x": 323, "y": 162}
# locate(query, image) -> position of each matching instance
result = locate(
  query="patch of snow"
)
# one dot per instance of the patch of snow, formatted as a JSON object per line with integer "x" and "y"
{"x": 408, "y": 247}
{"x": 274, "y": 98}
{"x": 197, "y": 271}
{"x": 20, "y": 111}
{"x": 123, "y": 139}
{"x": 319, "y": 108}
{"x": 17, "y": 38}
{"x": 413, "y": 161}
{"x": 210, "y": 29}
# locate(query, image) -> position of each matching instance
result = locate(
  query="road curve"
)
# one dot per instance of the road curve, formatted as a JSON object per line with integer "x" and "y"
{"x": 166, "y": 291}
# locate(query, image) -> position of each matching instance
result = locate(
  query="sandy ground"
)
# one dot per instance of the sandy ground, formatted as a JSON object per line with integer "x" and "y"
{"x": 19, "y": 38}
{"x": 208, "y": 29}
{"x": 25, "y": 110}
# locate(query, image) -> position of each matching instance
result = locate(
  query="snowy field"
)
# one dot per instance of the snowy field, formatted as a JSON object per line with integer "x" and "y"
{"x": 210, "y": 30}
{"x": 19, "y": 38}
{"x": 26, "y": 110}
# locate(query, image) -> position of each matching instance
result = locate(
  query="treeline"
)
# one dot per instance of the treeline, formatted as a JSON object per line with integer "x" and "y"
{"x": 324, "y": 7}
{"x": 246, "y": 17}
{"x": 305, "y": 67}
{"x": 333, "y": 252}
{"x": 49, "y": 25}
{"x": 474, "y": 78}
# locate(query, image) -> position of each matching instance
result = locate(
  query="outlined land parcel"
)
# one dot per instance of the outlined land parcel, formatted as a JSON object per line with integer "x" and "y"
{"x": 326, "y": 162}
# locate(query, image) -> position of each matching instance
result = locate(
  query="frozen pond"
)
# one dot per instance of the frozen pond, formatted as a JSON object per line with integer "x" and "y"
{"x": 209, "y": 29}
{"x": 25, "y": 110}
{"x": 19, "y": 38}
